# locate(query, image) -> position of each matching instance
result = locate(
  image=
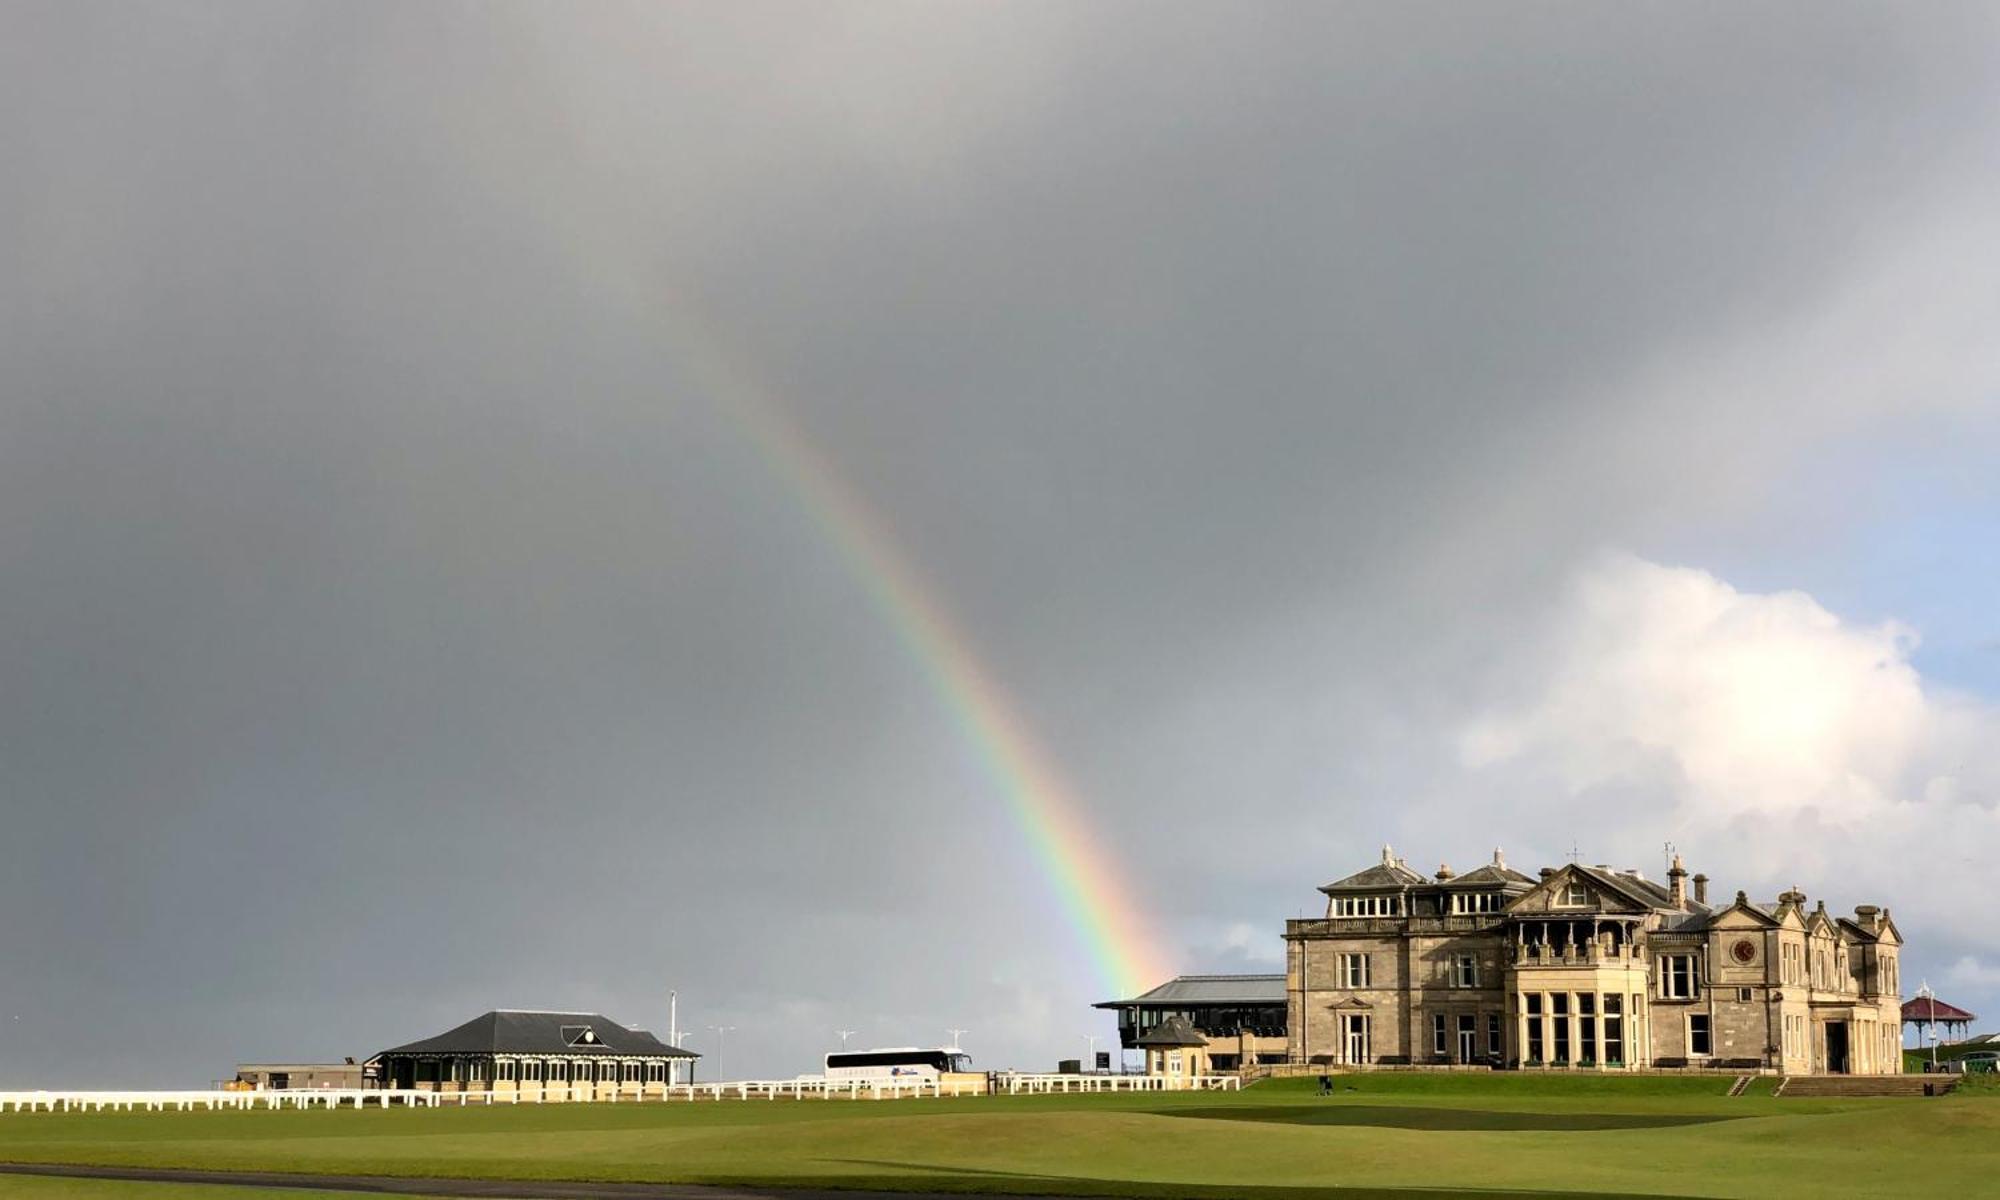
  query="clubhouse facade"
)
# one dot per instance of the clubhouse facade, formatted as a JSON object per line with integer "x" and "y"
{"x": 1574, "y": 968}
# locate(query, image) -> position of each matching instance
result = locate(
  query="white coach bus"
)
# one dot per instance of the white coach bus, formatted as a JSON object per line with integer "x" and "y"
{"x": 901, "y": 1062}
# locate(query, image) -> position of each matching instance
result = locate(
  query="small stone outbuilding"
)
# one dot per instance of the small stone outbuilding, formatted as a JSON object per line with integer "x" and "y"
{"x": 1176, "y": 1051}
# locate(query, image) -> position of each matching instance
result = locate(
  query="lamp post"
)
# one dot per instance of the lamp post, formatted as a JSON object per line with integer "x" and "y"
{"x": 1092, "y": 1039}
{"x": 673, "y": 1032}
{"x": 954, "y": 1036}
{"x": 844, "y": 1035}
{"x": 719, "y": 1031}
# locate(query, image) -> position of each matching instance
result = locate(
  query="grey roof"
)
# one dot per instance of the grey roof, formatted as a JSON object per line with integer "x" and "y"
{"x": 1646, "y": 891}
{"x": 1184, "y": 990}
{"x": 1174, "y": 1031}
{"x": 1380, "y": 877}
{"x": 507, "y": 1031}
{"x": 1490, "y": 873}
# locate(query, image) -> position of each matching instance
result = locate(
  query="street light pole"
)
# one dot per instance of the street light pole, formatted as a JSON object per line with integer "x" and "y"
{"x": 1092, "y": 1039}
{"x": 844, "y": 1035}
{"x": 673, "y": 1032}
{"x": 719, "y": 1031}
{"x": 954, "y": 1036}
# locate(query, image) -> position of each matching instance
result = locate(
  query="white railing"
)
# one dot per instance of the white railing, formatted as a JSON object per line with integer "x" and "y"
{"x": 47, "y": 1101}
{"x": 1016, "y": 1083}
{"x": 1012, "y": 1083}
{"x": 747, "y": 1089}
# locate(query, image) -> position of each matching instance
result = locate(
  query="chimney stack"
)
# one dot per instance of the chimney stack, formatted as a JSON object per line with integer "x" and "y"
{"x": 1701, "y": 889}
{"x": 1677, "y": 884}
{"x": 1868, "y": 917}
{"x": 1444, "y": 872}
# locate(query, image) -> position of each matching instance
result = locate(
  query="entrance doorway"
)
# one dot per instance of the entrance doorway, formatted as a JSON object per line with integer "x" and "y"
{"x": 1836, "y": 1047}
{"x": 1354, "y": 1037}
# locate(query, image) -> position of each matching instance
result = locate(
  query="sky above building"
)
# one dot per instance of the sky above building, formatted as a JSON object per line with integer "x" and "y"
{"x": 537, "y": 506}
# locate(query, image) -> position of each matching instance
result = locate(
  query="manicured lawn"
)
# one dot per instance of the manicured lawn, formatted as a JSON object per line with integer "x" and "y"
{"x": 1379, "y": 1135}
{"x": 21, "y": 1187}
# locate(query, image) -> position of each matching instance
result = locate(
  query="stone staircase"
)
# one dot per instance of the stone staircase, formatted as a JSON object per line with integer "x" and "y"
{"x": 1800, "y": 1086}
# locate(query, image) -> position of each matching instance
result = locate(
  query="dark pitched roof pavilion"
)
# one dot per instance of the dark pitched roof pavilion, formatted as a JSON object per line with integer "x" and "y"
{"x": 1174, "y": 1031}
{"x": 556, "y": 1034}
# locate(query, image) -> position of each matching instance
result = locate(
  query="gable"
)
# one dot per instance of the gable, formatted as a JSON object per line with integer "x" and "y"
{"x": 1572, "y": 890}
{"x": 1740, "y": 917}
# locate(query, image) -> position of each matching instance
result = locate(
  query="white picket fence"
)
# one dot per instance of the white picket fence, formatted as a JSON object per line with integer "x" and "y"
{"x": 1018, "y": 1083}
{"x": 1011, "y": 1083}
{"x": 747, "y": 1089}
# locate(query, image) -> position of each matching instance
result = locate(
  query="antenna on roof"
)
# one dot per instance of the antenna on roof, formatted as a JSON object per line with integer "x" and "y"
{"x": 1574, "y": 850}
{"x": 1667, "y": 856}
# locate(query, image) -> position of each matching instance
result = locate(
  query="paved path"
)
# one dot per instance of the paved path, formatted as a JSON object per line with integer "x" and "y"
{"x": 493, "y": 1189}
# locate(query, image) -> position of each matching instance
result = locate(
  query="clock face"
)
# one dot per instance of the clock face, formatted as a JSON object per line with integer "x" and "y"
{"x": 1744, "y": 951}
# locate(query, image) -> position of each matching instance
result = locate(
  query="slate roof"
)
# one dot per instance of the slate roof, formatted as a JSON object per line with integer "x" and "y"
{"x": 1488, "y": 874}
{"x": 1673, "y": 921}
{"x": 1654, "y": 895}
{"x": 1380, "y": 877}
{"x": 1187, "y": 990}
{"x": 1174, "y": 1031}
{"x": 508, "y": 1031}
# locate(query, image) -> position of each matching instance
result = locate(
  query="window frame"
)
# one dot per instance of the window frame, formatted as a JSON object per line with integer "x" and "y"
{"x": 1690, "y": 977}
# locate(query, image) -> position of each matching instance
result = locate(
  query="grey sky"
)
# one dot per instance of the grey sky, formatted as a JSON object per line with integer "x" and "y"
{"x": 391, "y": 628}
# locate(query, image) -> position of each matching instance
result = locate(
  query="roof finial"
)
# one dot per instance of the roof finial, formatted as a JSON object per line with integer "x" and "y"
{"x": 1388, "y": 856}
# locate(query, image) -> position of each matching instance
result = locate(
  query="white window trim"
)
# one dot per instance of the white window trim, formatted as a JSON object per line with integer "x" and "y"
{"x": 1667, "y": 977}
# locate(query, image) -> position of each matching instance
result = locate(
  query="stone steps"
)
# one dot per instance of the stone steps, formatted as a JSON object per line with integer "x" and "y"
{"x": 1801, "y": 1086}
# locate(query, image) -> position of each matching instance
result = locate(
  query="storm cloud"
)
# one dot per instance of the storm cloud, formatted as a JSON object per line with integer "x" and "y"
{"x": 394, "y": 622}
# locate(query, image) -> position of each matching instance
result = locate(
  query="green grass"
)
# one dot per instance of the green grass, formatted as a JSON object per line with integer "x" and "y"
{"x": 24, "y": 1187}
{"x": 1389, "y": 1135}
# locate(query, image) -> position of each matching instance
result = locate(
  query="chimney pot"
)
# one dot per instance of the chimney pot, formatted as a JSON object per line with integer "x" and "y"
{"x": 1701, "y": 890}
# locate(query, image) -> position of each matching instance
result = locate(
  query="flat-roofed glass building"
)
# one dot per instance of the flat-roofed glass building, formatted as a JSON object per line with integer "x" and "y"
{"x": 1242, "y": 1016}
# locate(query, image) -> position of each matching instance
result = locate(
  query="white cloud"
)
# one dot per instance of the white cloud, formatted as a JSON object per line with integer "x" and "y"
{"x": 1971, "y": 972}
{"x": 1764, "y": 703}
{"x": 1773, "y": 741}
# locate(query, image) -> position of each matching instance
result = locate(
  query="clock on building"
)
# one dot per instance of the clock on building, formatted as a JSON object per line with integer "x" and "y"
{"x": 1744, "y": 951}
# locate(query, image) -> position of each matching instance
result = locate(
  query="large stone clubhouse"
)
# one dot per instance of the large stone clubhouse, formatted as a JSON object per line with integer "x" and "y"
{"x": 1575, "y": 968}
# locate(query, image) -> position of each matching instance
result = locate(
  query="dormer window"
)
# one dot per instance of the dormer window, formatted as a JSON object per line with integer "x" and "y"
{"x": 1368, "y": 906}
{"x": 1575, "y": 895}
{"x": 1466, "y": 903}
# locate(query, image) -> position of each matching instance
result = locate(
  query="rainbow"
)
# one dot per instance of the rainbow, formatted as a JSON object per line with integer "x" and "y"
{"x": 1094, "y": 896}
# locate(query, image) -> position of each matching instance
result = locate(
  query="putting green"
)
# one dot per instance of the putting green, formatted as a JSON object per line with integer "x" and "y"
{"x": 1386, "y": 1135}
